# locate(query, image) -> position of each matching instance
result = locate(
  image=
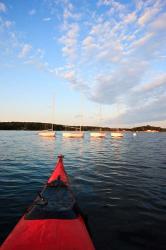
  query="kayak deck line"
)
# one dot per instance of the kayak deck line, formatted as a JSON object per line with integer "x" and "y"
{"x": 53, "y": 221}
{"x": 56, "y": 201}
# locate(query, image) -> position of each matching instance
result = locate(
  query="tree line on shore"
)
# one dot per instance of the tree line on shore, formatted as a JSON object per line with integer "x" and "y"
{"x": 58, "y": 127}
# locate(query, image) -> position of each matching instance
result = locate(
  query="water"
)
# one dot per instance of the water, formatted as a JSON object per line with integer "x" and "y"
{"x": 119, "y": 183}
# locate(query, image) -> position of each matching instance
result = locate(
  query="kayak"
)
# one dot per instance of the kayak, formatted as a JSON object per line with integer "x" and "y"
{"x": 53, "y": 221}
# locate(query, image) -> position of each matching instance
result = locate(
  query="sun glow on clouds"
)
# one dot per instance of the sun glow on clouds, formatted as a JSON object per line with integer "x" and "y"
{"x": 112, "y": 52}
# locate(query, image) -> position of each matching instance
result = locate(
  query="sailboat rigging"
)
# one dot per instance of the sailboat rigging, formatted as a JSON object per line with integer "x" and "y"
{"x": 100, "y": 133}
{"x": 75, "y": 134}
{"x": 49, "y": 132}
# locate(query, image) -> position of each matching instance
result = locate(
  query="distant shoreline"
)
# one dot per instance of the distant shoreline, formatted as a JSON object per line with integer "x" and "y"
{"x": 35, "y": 126}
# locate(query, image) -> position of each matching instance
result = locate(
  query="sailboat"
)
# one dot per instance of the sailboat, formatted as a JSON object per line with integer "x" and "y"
{"x": 100, "y": 133}
{"x": 116, "y": 134}
{"x": 73, "y": 134}
{"x": 48, "y": 132}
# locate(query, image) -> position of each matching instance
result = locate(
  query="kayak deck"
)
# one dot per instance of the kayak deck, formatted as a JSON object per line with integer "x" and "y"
{"x": 56, "y": 201}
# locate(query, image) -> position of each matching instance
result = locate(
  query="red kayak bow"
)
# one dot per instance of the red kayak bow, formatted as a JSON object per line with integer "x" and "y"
{"x": 53, "y": 222}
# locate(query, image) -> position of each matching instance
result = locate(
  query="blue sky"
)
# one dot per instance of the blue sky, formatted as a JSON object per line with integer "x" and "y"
{"x": 87, "y": 55}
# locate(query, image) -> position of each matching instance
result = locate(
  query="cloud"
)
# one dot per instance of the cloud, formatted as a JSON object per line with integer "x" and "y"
{"x": 5, "y": 24}
{"x": 145, "y": 102}
{"x": 70, "y": 31}
{"x": 47, "y": 19}
{"x": 143, "y": 40}
{"x": 117, "y": 51}
{"x": 159, "y": 81}
{"x": 2, "y": 7}
{"x": 147, "y": 111}
{"x": 115, "y": 5}
{"x": 69, "y": 75}
{"x": 69, "y": 13}
{"x": 159, "y": 23}
{"x": 8, "y": 24}
{"x": 89, "y": 46}
{"x": 39, "y": 64}
{"x": 130, "y": 18}
{"x": 150, "y": 12}
{"x": 32, "y": 12}
{"x": 37, "y": 58}
{"x": 154, "y": 111}
{"x": 26, "y": 48}
{"x": 114, "y": 87}
{"x": 69, "y": 40}
{"x": 75, "y": 81}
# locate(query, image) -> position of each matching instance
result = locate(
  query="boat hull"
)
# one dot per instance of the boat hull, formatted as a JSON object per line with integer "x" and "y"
{"x": 73, "y": 134}
{"x": 47, "y": 133}
{"x": 97, "y": 134}
{"x": 116, "y": 134}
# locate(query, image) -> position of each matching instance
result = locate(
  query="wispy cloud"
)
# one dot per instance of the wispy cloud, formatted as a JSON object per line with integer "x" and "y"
{"x": 145, "y": 102}
{"x": 8, "y": 24}
{"x": 114, "y": 87}
{"x": 159, "y": 81}
{"x": 32, "y": 12}
{"x": 26, "y": 48}
{"x": 150, "y": 112}
{"x": 159, "y": 23}
{"x": 5, "y": 24}
{"x": 47, "y": 19}
{"x": 3, "y": 7}
{"x": 75, "y": 81}
{"x": 69, "y": 40}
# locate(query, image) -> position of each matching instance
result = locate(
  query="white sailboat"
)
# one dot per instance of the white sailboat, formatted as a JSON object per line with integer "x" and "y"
{"x": 48, "y": 132}
{"x": 73, "y": 134}
{"x": 100, "y": 133}
{"x": 77, "y": 133}
{"x": 116, "y": 134}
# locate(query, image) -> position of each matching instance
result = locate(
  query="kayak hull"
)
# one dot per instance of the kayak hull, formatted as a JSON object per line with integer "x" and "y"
{"x": 49, "y": 235}
{"x": 53, "y": 221}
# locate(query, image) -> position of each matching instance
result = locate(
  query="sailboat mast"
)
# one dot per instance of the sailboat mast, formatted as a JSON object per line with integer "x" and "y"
{"x": 53, "y": 112}
{"x": 100, "y": 116}
{"x": 81, "y": 118}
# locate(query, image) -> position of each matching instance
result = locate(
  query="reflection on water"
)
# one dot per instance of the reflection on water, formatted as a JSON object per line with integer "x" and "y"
{"x": 119, "y": 183}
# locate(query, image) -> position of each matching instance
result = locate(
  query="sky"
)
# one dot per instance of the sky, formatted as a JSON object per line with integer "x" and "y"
{"x": 88, "y": 62}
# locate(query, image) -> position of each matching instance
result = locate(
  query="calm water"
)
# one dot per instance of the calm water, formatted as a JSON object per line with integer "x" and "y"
{"x": 119, "y": 183}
